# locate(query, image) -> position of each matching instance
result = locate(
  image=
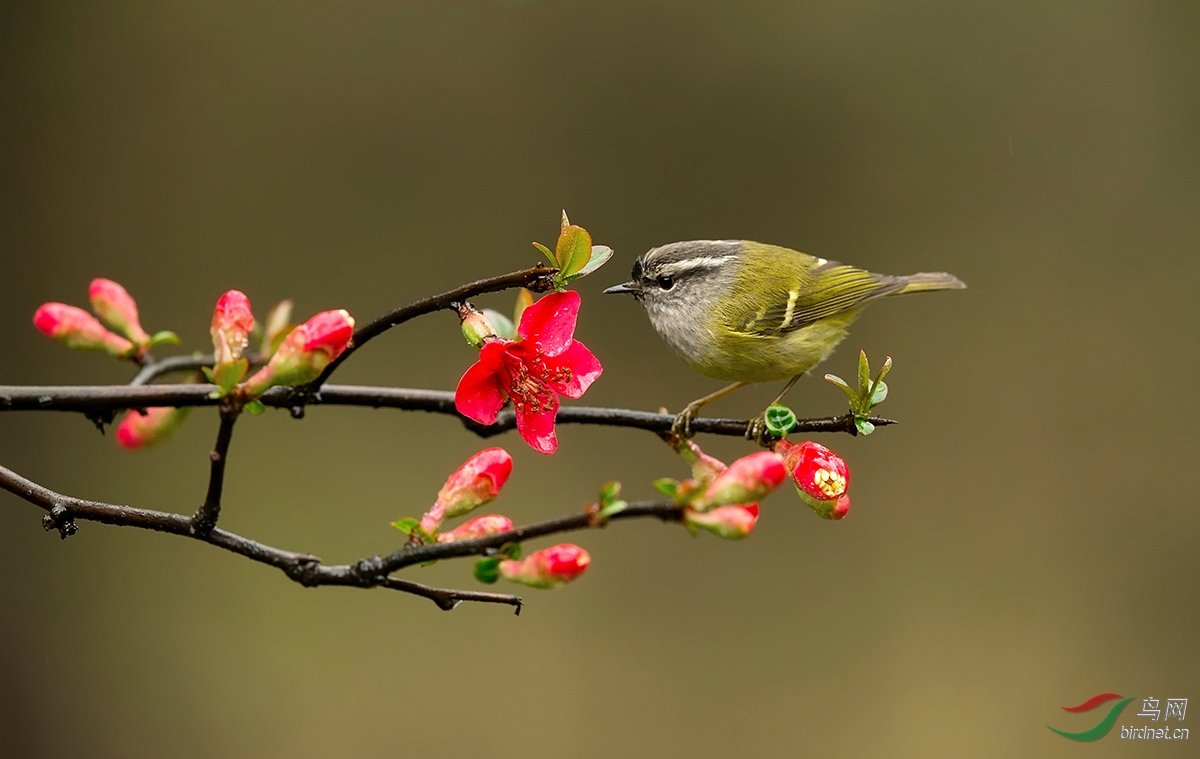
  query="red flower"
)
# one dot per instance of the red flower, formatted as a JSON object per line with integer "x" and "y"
{"x": 545, "y": 362}
{"x": 821, "y": 477}
{"x": 547, "y": 568}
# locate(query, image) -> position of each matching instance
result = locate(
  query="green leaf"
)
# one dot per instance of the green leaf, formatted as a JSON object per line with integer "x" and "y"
{"x": 616, "y": 506}
{"x": 278, "y": 339}
{"x": 226, "y": 376}
{"x": 208, "y": 373}
{"x": 429, "y": 563}
{"x": 488, "y": 570}
{"x": 887, "y": 367}
{"x": 851, "y": 393}
{"x": 501, "y": 323}
{"x": 864, "y": 375}
{"x": 573, "y": 251}
{"x": 864, "y": 427}
{"x": 780, "y": 420}
{"x": 163, "y": 338}
{"x": 511, "y": 550}
{"x": 610, "y": 491}
{"x": 254, "y": 407}
{"x": 406, "y": 525}
{"x": 667, "y": 486}
{"x": 880, "y": 393}
{"x": 547, "y": 253}
{"x": 600, "y": 256}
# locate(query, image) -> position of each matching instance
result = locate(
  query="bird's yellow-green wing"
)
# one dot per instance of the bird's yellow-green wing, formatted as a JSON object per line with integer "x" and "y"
{"x": 779, "y": 290}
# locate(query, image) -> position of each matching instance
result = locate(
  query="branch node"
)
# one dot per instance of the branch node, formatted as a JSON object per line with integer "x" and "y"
{"x": 100, "y": 417}
{"x": 60, "y": 518}
{"x": 367, "y": 573}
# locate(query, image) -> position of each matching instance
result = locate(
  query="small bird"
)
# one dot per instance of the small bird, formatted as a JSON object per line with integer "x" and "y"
{"x": 746, "y": 312}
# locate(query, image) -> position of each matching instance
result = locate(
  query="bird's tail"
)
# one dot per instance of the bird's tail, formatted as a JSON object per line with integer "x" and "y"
{"x": 927, "y": 281}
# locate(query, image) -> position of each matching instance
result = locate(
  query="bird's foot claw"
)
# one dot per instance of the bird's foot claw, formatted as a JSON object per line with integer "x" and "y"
{"x": 682, "y": 426}
{"x": 757, "y": 431}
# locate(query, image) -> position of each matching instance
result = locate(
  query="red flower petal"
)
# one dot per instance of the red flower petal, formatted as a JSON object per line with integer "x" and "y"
{"x": 480, "y": 393}
{"x": 550, "y": 323}
{"x": 584, "y": 366}
{"x": 538, "y": 428}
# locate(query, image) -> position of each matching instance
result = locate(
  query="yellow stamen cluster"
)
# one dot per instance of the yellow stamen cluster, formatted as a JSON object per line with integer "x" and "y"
{"x": 829, "y": 482}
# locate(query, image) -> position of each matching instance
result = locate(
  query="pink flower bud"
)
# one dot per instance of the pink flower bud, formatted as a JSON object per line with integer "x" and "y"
{"x": 821, "y": 477}
{"x": 231, "y": 326}
{"x": 473, "y": 484}
{"x": 305, "y": 352}
{"x": 138, "y": 430}
{"x": 730, "y": 522}
{"x": 479, "y": 527}
{"x": 746, "y": 480}
{"x": 76, "y": 328}
{"x": 117, "y": 309}
{"x": 547, "y": 568}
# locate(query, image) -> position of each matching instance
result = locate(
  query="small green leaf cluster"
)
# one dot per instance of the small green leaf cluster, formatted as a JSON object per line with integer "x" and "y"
{"x": 867, "y": 395}
{"x": 574, "y": 255}
{"x": 412, "y": 527}
{"x": 487, "y": 570}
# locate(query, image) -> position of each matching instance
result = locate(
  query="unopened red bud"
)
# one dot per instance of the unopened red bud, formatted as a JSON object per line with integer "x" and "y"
{"x": 473, "y": 484}
{"x": 305, "y": 352}
{"x": 117, "y": 309}
{"x": 730, "y": 522}
{"x": 548, "y": 568}
{"x": 232, "y": 324}
{"x": 821, "y": 477}
{"x": 475, "y": 326}
{"x": 76, "y": 328}
{"x": 746, "y": 480}
{"x": 138, "y": 430}
{"x": 479, "y": 527}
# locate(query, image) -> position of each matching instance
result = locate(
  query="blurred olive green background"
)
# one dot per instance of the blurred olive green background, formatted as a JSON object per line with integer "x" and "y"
{"x": 1025, "y": 539}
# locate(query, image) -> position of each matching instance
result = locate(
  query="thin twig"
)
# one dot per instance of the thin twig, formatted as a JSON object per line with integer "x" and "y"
{"x": 537, "y": 279}
{"x": 448, "y": 599}
{"x": 83, "y": 398}
{"x": 305, "y": 568}
{"x": 205, "y": 518}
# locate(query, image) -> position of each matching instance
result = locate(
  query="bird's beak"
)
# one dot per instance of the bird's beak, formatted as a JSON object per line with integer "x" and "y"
{"x": 628, "y": 287}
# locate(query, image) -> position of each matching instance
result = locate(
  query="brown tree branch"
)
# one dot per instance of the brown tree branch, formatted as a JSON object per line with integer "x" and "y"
{"x": 305, "y": 568}
{"x": 90, "y": 399}
{"x": 205, "y": 518}
{"x": 537, "y": 278}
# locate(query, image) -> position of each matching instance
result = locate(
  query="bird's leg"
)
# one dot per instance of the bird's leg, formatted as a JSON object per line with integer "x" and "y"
{"x": 682, "y": 425}
{"x": 756, "y": 430}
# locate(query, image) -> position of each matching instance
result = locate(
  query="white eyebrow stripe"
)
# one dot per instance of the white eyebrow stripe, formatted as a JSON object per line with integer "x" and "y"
{"x": 690, "y": 264}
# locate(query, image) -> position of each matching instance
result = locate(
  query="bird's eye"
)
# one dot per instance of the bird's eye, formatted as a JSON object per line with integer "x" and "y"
{"x": 666, "y": 283}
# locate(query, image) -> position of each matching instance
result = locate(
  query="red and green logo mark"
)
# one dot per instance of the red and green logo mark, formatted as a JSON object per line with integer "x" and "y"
{"x": 1103, "y": 726}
